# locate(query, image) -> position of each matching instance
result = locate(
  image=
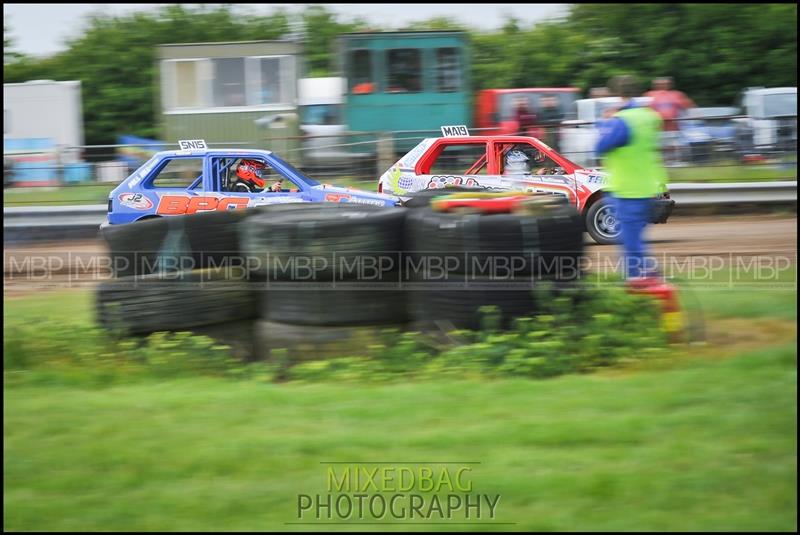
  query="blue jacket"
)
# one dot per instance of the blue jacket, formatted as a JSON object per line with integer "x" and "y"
{"x": 614, "y": 132}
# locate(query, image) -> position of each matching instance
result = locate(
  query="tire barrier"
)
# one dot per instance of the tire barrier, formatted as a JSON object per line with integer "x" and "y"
{"x": 331, "y": 240}
{"x": 423, "y": 198}
{"x": 458, "y": 302}
{"x": 175, "y": 301}
{"x": 545, "y": 244}
{"x": 332, "y": 306}
{"x": 262, "y": 304}
{"x": 308, "y": 342}
{"x": 173, "y": 243}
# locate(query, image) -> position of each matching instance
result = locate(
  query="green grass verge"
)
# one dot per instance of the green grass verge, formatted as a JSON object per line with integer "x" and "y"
{"x": 732, "y": 172}
{"x": 707, "y": 446}
{"x": 700, "y": 444}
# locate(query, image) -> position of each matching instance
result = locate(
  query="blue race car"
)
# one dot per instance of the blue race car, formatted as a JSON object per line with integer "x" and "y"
{"x": 197, "y": 179}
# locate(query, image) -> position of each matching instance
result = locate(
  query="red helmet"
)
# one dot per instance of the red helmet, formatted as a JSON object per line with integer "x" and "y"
{"x": 252, "y": 171}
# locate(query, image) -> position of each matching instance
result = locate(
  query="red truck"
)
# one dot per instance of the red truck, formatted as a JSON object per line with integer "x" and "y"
{"x": 496, "y": 109}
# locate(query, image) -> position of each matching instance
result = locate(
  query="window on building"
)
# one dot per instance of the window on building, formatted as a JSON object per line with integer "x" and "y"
{"x": 228, "y": 82}
{"x": 269, "y": 87}
{"x": 448, "y": 70}
{"x": 187, "y": 89}
{"x": 361, "y": 78}
{"x": 179, "y": 173}
{"x": 405, "y": 70}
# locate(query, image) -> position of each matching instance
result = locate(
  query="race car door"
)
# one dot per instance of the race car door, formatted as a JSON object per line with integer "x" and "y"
{"x": 454, "y": 163}
{"x": 524, "y": 167}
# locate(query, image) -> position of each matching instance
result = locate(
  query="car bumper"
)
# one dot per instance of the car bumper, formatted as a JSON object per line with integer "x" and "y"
{"x": 662, "y": 209}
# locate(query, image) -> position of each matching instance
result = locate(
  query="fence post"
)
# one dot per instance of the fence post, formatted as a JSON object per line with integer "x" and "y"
{"x": 385, "y": 151}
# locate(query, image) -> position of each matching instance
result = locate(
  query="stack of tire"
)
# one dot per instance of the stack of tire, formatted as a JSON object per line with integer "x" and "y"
{"x": 332, "y": 276}
{"x": 179, "y": 273}
{"x": 494, "y": 260}
{"x": 327, "y": 279}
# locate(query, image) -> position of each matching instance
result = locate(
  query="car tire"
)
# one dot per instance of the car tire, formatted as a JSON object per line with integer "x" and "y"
{"x": 183, "y": 242}
{"x": 456, "y": 302}
{"x": 544, "y": 244}
{"x": 601, "y": 222}
{"x": 330, "y": 236}
{"x": 176, "y": 301}
{"x": 335, "y": 306}
{"x": 135, "y": 247}
{"x": 213, "y": 237}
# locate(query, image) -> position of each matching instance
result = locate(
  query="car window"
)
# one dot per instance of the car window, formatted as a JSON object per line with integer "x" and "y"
{"x": 179, "y": 173}
{"x": 459, "y": 159}
{"x": 236, "y": 170}
{"x": 525, "y": 159}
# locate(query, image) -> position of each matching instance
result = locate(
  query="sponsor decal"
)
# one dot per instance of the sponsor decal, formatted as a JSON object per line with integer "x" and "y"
{"x": 182, "y": 204}
{"x": 137, "y": 201}
{"x": 361, "y": 200}
{"x": 264, "y": 201}
{"x": 405, "y": 182}
{"x": 441, "y": 181}
{"x": 337, "y": 197}
{"x": 410, "y": 159}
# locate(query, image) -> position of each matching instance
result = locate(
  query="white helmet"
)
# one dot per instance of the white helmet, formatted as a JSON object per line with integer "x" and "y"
{"x": 517, "y": 162}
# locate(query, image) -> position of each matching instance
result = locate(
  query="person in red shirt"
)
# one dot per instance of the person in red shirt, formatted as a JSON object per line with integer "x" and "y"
{"x": 669, "y": 103}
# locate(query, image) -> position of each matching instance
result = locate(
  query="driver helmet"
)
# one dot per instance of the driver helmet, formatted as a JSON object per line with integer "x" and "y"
{"x": 252, "y": 172}
{"x": 538, "y": 156}
{"x": 517, "y": 162}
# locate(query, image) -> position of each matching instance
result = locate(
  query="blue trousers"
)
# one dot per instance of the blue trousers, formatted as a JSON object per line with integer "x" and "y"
{"x": 633, "y": 216}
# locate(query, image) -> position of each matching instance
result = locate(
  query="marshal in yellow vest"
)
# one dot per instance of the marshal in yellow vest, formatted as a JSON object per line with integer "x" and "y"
{"x": 636, "y": 170}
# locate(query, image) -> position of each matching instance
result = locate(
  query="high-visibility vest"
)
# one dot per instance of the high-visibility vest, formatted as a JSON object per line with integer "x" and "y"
{"x": 636, "y": 170}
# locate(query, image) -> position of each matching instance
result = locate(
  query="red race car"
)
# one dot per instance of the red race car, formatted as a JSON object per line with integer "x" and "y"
{"x": 509, "y": 163}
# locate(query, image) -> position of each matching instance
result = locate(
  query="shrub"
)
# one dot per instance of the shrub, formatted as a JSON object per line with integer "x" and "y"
{"x": 577, "y": 330}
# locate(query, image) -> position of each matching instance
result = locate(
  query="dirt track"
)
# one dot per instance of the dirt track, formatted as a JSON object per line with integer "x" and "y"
{"x": 722, "y": 236}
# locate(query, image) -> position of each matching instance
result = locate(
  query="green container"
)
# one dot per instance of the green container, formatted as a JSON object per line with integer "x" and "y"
{"x": 406, "y": 81}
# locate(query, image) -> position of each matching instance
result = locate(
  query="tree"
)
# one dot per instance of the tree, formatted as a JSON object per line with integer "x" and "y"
{"x": 713, "y": 51}
{"x": 321, "y": 28}
{"x": 9, "y": 55}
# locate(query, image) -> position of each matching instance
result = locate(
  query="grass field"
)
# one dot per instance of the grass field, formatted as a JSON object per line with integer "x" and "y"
{"x": 703, "y": 440}
{"x": 98, "y": 193}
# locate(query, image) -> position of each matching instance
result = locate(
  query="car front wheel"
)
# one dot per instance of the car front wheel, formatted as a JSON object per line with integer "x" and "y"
{"x": 602, "y": 223}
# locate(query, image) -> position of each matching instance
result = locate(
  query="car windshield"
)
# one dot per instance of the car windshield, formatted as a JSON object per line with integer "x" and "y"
{"x": 292, "y": 169}
{"x": 778, "y": 104}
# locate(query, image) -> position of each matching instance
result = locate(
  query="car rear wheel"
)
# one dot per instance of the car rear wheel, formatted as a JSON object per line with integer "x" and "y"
{"x": 602, "y": 223}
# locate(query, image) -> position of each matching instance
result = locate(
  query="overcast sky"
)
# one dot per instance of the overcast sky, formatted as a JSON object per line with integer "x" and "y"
{"x": 40, "y": 29}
